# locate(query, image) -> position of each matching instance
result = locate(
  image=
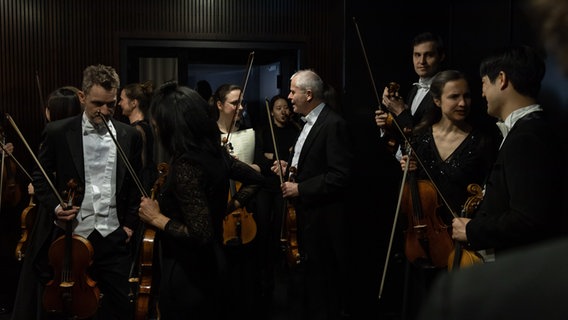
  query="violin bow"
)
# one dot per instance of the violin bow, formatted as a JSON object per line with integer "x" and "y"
{"x": 373, "y": 85}
{"x": 274, "y": 141}
{"x": 124, "y": 157}
{"x": 411, "y": 150}
{"x": 241, "y": 96}
{"x": 42, "y": 103}
{"x": 51, "y": 185}
{"x": 3, "y": 147}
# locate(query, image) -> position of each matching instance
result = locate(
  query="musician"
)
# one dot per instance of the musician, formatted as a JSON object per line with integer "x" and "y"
{"x": 81, "y": 148}
{"x": 229, "y": 108}
{"x": 323, "y": 158}
{"x": 191, "y": 205}
{"x": 524, "y": 281}
{"x": 523, "y": 201}
{"x": 240, "y": 140}
{"x": 454, "y": 152}
{"x": 134, "y": 103}
{"x": 428, "y": 56}
{"x": 269, "y": 204}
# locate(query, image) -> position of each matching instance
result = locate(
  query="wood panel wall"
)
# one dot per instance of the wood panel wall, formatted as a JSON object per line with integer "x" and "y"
{"x": 57, "y": 39}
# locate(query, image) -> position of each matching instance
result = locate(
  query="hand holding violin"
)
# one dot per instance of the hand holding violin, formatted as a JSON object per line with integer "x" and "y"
{"x": 149, "y": 213}
{"x": 411, "y": 164}
{"x": 68, "y": 214}
{"x": 459, "y": 229}
{"x": 393, "y": 101}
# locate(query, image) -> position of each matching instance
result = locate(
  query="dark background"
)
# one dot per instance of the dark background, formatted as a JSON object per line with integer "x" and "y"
{"x": 53, "y": 41}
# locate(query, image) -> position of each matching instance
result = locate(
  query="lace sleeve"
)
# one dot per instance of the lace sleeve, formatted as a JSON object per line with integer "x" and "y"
{"x": 251, "y": 181}
{"x": 193, "y": 222}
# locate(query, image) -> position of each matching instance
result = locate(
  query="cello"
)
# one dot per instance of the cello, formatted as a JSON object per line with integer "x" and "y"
{"x": 71, "y": 292}
{"x": 461, "y": 256}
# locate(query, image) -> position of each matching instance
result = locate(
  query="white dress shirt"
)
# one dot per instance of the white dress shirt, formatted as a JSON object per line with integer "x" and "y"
{"x": 423, "y": 89}
{"x": 98, "y": 209}
{"x": 506, "y": 125}
{"x": 310, "y": 119}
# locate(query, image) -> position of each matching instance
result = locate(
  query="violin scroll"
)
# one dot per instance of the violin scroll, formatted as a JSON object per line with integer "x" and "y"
{"x": 461, "y": 256}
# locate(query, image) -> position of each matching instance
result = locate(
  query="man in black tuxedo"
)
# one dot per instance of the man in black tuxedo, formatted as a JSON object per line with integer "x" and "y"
{"x": 428, "y": 55}
{"x": 521, "y": 215}
{"x": 81, "y": 149}
{"x": 322, "y": 157}
{"x": 523, "y": 198}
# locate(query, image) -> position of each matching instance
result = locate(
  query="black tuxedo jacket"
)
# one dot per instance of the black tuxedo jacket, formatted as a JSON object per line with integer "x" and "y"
{"x": 408, "y": 120}
{"x": 61, "y": 156}
{"x": 324, "y": 167}
{"x": 523, "y": 196}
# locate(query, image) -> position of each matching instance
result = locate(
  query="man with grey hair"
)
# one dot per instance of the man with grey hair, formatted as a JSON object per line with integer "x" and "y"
{"x": 322, "y": 159}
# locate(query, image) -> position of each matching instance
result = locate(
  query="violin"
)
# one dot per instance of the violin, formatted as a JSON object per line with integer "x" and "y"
{"x": 146, "y": 287}
{"x": 428, "y": 242}
{"x": 27, "y": 220}
{"x": 239, "y": 226}
{"x": 389, "y": 136}
{"x": 461, "y": 256}
{"x": 392, "y": 88}
{"x": 288, "y": 234}
{"x": 71, "y": 292}
{"x": 11, "y": 194}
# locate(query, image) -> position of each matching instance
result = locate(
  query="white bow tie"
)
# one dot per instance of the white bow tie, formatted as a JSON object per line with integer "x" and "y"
{"x": 91, "y": 129}
{"x": 422, "y": 85}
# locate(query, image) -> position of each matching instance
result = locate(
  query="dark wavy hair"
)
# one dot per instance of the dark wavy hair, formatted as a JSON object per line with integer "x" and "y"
{"x": 183, "y": 121}
{"x": 63, "y": 103}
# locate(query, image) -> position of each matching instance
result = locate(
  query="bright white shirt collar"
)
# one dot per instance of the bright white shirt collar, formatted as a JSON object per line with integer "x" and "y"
{"x": 506, "y": 125}
{"x": 313, "y": 115}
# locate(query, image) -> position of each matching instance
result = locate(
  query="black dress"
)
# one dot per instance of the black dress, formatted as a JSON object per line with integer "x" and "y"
{"x": 469, "y": 163}
{"x": 193, "y": 266}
